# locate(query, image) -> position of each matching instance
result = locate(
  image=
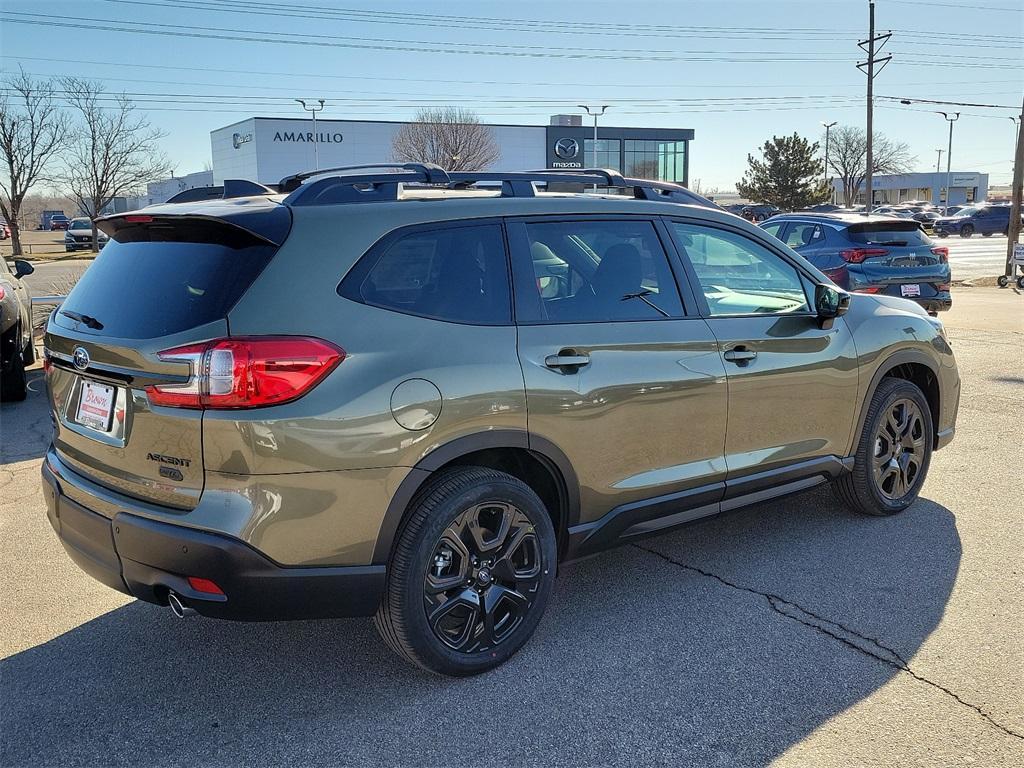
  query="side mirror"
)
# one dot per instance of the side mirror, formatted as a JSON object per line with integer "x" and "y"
{"x": 22, "y": 268}
{"x": 829, "y": 303}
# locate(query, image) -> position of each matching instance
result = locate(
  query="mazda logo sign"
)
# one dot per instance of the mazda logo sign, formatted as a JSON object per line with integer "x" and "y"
{"x": 238, "y": 139}
{"x": 567, "y": 149}
{"x": 80, "y": 358}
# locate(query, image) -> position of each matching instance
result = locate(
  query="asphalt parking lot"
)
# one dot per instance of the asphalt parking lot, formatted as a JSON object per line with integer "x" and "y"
{"x": 792, "y": 633}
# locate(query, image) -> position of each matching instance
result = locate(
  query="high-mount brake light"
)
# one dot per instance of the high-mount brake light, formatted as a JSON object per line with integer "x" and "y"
{"x": 247, "y": 372}
{"x": 137, "y": 219}
{"x": 857, "y": 255}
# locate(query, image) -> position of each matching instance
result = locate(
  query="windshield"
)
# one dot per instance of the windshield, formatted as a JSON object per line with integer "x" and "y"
{"x": 894, "y": 233}
{"x": 964, "y": 212}
{"x": 81, "y": 224}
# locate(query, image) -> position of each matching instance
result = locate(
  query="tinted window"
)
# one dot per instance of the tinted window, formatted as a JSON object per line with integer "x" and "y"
{"x": 81, "y": 224}
{"x": 458, "y": 274}
{"x": 155, "y": 281}
{"x": 773, "y": 228}
{"x": 596, "y": 271}
{"x": 895, "y": 233}
{"x": 739, "y": 276}
{"x": 801, "y": 234}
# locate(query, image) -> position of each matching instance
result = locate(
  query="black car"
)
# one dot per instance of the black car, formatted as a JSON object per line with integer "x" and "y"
{"x": 870, "y": 254}
{"x": 16, "y": 350}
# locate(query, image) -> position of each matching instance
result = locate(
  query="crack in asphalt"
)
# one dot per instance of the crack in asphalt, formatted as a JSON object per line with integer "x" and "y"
{"x": 851, "y": 638}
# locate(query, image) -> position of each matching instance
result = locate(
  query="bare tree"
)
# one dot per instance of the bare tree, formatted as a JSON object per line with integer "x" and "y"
{"x": 451, "y": 137}
{"x": 112, "y": 152}
{"x": 848, "y": 153}
{"x": 32, "y": 132}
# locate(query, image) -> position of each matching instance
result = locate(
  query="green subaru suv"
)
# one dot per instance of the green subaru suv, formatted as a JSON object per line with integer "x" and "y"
{"x": 410, "y": 394}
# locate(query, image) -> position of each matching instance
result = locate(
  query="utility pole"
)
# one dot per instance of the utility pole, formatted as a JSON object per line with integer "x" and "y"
{"x": 868, "y": 67}
{"x": 938, "y": 163}
{"x": 1013, "y": 230}
{"x": 316, "y": 139}
{"x": 596, "y": 115}
{"x": 824, "y": 175}
{"x": 949, "y": 156}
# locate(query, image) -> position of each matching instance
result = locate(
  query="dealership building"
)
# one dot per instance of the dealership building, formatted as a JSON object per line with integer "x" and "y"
{"x": 967, "y": 187}
{"x": 266, "y": 149}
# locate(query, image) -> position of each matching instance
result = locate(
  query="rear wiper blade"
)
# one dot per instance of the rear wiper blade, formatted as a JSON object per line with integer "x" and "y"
{"x": 642, "y": 295}
{"x": 87, "y": 320}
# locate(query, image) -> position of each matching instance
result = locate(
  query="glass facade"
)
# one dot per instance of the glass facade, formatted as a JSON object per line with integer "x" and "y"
{"x": 609, "y": 154}
{"x": 659, "y": 160}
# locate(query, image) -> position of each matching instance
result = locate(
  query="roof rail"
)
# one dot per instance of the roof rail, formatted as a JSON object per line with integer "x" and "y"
{"x": 434, "y": 174}
{"x": 231, "y": 188}
{"x": 383, "y": 186}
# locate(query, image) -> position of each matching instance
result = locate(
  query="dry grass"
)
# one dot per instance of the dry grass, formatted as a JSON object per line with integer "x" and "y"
{"x": 42, "y": 245}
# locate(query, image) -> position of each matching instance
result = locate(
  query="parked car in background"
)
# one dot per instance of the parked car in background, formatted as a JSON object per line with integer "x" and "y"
{"x": 5, "y": 230}
{"x": 306, "y": 406}
{"x": 58, "y": 221}
{"x": 79, "y": 236}
{"x": 757, "y": 213}
{"x": 824, "y": 208}
{"x": 16, "y": 350}
{"x": 984, "y": 220}
{"x": 869, "y": 254}
{"x": 926, "y": 219}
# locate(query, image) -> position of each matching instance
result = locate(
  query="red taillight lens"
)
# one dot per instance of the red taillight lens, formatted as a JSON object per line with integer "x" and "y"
{"x": 204, "y": 585}
{"x": 942, "y": 287}
{"x": 2, "y": 292}
{"x": 942, "y": 252}
{"x": 869, "y": 289}
{"x": 137, "y": 219}
{"x": 247, "y": 372}
{"x": 857, "y": 255}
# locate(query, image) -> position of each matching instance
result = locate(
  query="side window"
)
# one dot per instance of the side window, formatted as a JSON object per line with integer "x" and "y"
{"x": 774, "y": 228}
{"x": 589, "y": 271}
{"x": 802, "y": 234}
{"x": 459, "y": 274}
{"x": 739, "y": 276}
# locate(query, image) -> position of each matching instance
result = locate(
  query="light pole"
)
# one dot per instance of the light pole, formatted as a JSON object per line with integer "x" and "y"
{"x": 314, "y": 110}
{"x": 594, "y": 112}
{"x": 938, "y": 163}
{"x": 828, "y": 127}
{"x": 949, "y": 155}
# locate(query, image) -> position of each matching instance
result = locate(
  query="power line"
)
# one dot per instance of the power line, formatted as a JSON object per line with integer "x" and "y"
{"x": 970, "y": 7}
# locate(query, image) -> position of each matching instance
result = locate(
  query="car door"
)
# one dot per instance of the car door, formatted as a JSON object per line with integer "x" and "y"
{"x": 619, "y": 376}
{"x": 792, "y": 383}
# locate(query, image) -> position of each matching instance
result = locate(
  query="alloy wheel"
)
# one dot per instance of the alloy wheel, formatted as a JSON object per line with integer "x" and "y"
{"x": 482, "y": 577}
{"x": 899, "y": 449}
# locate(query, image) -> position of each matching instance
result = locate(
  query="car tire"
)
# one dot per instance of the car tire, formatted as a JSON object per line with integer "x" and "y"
{"x": 966, "y": 230}
{"x": 434, "y": 620}
{"x": 987, "y": 234}
{"x": 893, "y": 453}
{"x": 14, "y": 381}
{"x": 1002, "y": 281}
{"x": 943, "y": 234}
{"x": 1020, "y": 282}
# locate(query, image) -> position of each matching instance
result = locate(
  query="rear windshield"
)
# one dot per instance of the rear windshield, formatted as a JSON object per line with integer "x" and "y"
{"x": 154, "y": 281}
{"x": 894, "y": 233}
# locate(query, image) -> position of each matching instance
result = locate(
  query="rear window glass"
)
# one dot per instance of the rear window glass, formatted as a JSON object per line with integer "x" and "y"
{"x": 154, "y": 286}
{"x": 892, "y": 233}
{"x": 459, "y": 274}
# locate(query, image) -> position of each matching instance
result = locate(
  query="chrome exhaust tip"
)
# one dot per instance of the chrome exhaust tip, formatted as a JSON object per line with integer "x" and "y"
{"x": 178, "y": 608}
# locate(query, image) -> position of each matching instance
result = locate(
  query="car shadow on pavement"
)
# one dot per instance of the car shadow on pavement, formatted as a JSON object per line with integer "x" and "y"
{"x": 25, "y": 427}
{"x": 723, "y": 643}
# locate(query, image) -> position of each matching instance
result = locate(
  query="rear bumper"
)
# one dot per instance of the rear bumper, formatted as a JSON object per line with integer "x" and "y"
{"x": 146, "y": 559}
{"x": 941, "y": 302}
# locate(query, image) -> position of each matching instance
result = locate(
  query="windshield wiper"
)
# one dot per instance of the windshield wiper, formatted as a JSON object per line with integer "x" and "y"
{"x": 87, "y": 320}
{"x": 642, "y": 295}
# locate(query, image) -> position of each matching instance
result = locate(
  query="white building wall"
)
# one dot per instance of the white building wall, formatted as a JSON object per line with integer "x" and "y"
{"x": 268, "y": 149}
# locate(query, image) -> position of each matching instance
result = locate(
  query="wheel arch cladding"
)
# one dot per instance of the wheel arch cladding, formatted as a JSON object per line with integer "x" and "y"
{"x": 541, "y": 466}
{"x": 915, "y": 367}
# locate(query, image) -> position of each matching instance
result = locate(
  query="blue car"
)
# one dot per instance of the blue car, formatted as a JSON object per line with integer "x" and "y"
{"x": 984, "y": 220}
{"x": 870, "y": 254}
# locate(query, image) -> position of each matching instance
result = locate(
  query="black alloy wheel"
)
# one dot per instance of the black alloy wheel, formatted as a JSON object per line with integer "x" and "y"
{"x": 471, "y": 573}
{"x": 483, "y": 577}
{"x": 966, "y": 230}
{"x": 899, "y": 449}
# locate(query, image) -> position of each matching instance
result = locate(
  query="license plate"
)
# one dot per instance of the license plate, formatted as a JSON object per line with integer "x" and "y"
{"x": 910, "y": 290}
{"x": 96, "y": 406}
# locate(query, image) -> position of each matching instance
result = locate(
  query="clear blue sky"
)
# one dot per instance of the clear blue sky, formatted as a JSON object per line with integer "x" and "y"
{"x": 736, "y": 72}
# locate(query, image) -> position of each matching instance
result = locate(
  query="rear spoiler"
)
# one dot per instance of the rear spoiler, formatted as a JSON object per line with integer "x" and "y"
{"x": 265, "y": 220}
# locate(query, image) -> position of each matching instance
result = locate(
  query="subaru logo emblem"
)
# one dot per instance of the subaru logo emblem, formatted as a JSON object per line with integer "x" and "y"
{"x": 567, "y": 149}
{"x": 80, "y": 358}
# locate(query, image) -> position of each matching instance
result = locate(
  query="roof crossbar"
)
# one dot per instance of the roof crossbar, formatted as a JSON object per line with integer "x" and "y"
{"x": 434, "y": 174}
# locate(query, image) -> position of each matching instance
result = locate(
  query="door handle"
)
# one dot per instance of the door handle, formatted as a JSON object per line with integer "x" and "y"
{"x": 740, "y": 355}
{"x": 567, "y": 361}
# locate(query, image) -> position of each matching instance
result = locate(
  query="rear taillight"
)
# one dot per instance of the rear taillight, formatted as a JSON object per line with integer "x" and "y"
{"x": 2, "y": 293}
{"x": 942, "y": 287}
{"x": 247, "y": 372}
{"x": 857, "y": 255}
{"x": 942, "y": 252}
{"x": 869, "y": 289}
